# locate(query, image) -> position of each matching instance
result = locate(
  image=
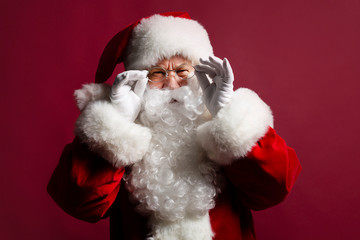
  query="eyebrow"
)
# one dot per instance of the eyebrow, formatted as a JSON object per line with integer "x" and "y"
{"x": 184, "y": 63}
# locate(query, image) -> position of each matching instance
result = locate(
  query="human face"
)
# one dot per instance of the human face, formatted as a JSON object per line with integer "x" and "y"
{"x": 172, "y": 81}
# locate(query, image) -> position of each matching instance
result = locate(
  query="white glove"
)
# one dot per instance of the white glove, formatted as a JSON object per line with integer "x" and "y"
{"x": 219, "y": 92}
{"x": 127, "y": 92}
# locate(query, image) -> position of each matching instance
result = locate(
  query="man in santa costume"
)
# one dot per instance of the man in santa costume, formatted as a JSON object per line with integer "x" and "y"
{"x": 170, "y": 151}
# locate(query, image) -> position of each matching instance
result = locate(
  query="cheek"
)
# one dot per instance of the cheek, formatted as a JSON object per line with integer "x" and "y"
{"x": 158, "y": 85}
{"x": 183, "y": 83}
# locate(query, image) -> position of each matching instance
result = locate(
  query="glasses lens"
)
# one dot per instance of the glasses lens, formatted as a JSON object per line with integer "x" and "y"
{"x": 157, "y": 74}
{"x": 185, "y": 71}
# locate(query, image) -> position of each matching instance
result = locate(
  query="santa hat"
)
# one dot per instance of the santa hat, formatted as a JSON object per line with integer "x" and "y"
{"x": 145, "y": 42}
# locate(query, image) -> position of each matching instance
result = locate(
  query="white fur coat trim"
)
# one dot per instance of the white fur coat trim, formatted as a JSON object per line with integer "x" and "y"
{"x": 184, "y": 229}
{"x": 101, "y": 126}
{"x": 91, "y": 92}
{"x": 236, "y": 128}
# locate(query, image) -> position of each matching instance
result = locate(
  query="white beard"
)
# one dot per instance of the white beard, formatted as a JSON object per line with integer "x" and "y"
{"x": 175, "y": 180}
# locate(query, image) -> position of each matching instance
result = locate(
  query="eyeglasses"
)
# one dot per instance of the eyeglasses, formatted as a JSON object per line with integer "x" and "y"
{"x": 159, "y": 74}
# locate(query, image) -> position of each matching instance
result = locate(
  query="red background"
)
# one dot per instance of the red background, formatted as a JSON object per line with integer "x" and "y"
{"x": 302, "y": 57}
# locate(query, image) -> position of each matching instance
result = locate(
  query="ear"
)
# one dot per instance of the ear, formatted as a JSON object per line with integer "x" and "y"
{"x": 91, "y": 92}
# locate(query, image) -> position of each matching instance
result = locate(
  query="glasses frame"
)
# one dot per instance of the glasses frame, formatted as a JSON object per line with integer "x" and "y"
{"x": 167, "y": 73}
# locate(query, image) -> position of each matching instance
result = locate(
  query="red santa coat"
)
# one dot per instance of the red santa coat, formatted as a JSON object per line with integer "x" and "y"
{"x": 88, "y": 187}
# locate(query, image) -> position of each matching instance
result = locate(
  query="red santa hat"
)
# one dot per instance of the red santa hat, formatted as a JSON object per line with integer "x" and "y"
{"x": 145, "y": 42}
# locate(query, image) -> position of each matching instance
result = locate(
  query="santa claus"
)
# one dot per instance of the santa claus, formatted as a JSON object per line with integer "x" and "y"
{"x": 170, "y": 151}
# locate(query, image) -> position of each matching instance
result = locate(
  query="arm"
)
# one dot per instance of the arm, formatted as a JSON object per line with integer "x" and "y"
{"x": 258, "y": 163}
{"x": 83, "y": 184}
{"x": 106, "y": 124}
{"x": 87, "y": 179}
{"x": 266, "y": 175}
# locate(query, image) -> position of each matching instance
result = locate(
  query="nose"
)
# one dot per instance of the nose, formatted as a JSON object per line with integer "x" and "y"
{"x": 171, "y": 81}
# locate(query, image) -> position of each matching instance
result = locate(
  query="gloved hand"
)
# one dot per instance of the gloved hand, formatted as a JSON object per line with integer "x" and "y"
{"x": 218, "y": 93}
{"x": 127, "y": 92}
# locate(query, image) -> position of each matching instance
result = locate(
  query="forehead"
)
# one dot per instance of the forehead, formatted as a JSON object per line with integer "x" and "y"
{"x": 173, "y": 61}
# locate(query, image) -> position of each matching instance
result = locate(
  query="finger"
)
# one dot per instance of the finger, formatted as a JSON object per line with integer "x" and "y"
{"x": 207, "y": 61}
{"x": 135, "y": 75}
{"x": 123, "y": 91}
{"x": 120, "y": 93}
{"x": 121, "y": 79}
{"x": 206, "y": 69}
{"x": 130, "y": 77}
{"x": 216, "y": 60}
{"x": 202, "y": 79}
{"x": 121, "y": 86}
{"x": 229, "y": 75}
{"x": 214, "y": 64}
{"x": 211, "y": 65}
{"x": 218, "y": 64}
{"x": 140, "y": 87}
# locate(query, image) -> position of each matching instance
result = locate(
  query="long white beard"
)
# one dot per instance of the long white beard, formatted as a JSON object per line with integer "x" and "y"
{"x": 175, "y": 180}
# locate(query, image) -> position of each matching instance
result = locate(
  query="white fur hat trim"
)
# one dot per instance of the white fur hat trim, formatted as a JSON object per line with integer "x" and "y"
{"x": 160, "y": 37}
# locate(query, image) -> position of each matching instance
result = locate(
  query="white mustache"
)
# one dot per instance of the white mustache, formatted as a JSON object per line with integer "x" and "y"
{"x": 181, "y": 100}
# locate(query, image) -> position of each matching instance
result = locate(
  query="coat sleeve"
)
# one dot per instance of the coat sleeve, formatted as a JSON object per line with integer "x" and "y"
{"x": 83, "y": 184}
{"x": 266, "y": 175}
{"x": 87, "y": 179}
{"x": 258, "y": 163}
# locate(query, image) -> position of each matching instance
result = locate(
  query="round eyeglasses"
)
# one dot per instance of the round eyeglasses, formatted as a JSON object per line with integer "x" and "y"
{"x": 159, "y": 74}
